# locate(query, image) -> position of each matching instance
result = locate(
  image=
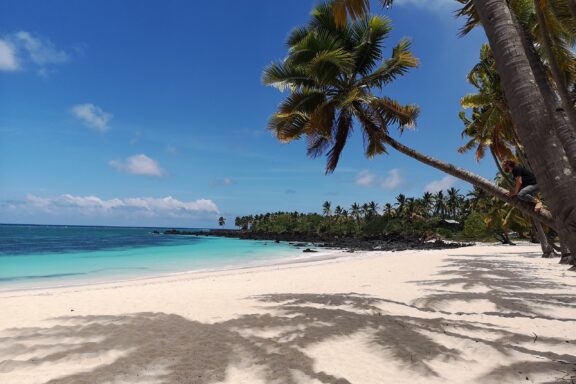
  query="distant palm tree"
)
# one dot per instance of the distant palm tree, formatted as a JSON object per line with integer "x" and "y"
{"x": 400, "y": 202}
{"x": 388, "y": 210}
{"x": 326, "y": 208}
{"x": 355, "y": 211}
{"x": 427, "y": 202}
{"x": 373, "y": 207}
{"x": 221, "y": 221}
{"x": 440, "y": 207}
{"x": 453, "y": 201}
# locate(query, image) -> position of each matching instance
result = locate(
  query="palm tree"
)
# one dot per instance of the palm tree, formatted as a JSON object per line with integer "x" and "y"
{"x": 531, "y": 113}
{"x": 427, "y": 202}
{"x": 556, "y": 34}
{"x": 221, "y": 221}
{"x": 400, "y": 203}
{"x": 453, "y": 202}
{"x": 478, "y": 199}
{"x": 440, "y": 206}
{"x": 355, "y": 211}
{"x": 373, "y": 207}
{"x": 330, "y": 73}
{"x": 388, "y": 210}
{"x": 326, "y": 208}
{"x": 516, "y": 61}
{"x": 490, "y": 125}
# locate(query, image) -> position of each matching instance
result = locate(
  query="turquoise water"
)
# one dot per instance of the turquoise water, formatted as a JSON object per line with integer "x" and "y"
{"x": 49, "y": 256}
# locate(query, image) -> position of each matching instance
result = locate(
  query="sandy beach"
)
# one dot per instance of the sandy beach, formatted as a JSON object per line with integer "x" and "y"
{"x": 482, "y": 314}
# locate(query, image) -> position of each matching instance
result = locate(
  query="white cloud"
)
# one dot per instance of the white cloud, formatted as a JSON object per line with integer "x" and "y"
{"x": 24, "y": 47}
{"x": 434, "y": 5}
{"x": 440, "y": 185}
{"x": 134, "y": 206}
{"x": 41, "y": 51}
{"x": 365, "y": 178}
{"x": 138, "y": 165}
{"x": 391, "y": 181}
{"x": 92, "y": 116}
{"x": 8, "y": 60}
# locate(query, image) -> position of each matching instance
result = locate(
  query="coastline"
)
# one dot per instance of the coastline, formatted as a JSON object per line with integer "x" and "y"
{"x": 443, "y": 316}
{"x": 324, "y": 254}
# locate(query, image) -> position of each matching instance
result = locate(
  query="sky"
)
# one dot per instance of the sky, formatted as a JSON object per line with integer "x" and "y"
{"x": 153, "y": 113}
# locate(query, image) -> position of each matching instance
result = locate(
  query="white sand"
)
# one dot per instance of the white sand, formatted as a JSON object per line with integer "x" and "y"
{"x": 483, "y": 314}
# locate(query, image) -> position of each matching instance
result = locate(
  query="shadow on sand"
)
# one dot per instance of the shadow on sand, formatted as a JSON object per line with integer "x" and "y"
{"x": 162, "y": 348}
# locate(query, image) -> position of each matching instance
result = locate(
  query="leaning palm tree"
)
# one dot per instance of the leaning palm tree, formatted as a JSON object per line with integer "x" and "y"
{"x": 332, "y": 74}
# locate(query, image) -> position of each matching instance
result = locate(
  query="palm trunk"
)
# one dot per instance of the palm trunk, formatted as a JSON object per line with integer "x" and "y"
{"x": 547, "y": 250}
{"x": 559, "y": 119}
{"x": 572, "y": 7}
{"x": 530, "y": 115}
{"x": 561, "y": 87}
{"x": 544, "y": 216}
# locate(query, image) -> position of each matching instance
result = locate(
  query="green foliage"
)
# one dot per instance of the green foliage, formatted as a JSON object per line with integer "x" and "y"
{"x": 408, "y": 216}
{"x": 475, "y": 227}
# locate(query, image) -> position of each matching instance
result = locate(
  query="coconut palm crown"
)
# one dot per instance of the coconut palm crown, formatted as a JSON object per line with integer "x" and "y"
{"x": 330, "y": 72}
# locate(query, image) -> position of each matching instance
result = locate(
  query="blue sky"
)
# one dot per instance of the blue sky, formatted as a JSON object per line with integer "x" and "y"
{"x": 153, "y": 113}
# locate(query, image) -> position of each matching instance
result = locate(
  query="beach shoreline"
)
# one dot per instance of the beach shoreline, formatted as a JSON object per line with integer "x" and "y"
{"x": 480, "y": 314}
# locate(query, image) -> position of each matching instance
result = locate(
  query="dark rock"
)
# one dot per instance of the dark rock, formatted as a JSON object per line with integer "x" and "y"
{"x": 382, "y": 242}
{"x": 308, "y": 250}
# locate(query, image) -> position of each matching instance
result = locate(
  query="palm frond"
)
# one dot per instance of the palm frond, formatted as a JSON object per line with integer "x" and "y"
{"x": 368, "y": 35}
{"x": 475, "y": 100}
{"x": 393, "y": 112}
{"x": 301, "y": 101}
{"x": 468, "y": 11}
{"x": 322, "y": 120}
{"x": 397, "y": 65}
{"x": 284, "y": 76}
{"x": 327, "y": 65}
{"x": 317, "y": 145}
{"x": 355, "y": 9}
{"x": 343, "y": 130}
{"x": 288, "y": 127}
{"x": 296, "y": 36}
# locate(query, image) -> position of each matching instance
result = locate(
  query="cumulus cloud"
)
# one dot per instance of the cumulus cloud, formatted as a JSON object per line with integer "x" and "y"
{"x": 138, "y": 165}
{"x": 391, "y": 181}
{"x": 25, "y": 47}
{"x": 440, "y": 185}
{"x": 92, "y": 116}
{"x": 134, "y": 206}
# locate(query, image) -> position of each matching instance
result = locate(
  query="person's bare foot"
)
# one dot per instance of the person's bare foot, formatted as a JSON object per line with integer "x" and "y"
{"x": 538, "y": 207}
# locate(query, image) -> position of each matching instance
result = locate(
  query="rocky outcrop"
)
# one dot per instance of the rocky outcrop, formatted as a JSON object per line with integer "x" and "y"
{"x": 384, "y": 242}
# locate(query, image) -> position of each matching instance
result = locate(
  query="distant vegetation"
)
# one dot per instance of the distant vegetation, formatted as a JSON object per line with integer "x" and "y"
{"x": 444, "y": 214}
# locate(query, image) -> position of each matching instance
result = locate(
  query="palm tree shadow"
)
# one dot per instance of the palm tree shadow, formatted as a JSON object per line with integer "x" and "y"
{"x": 511, "y": 287}
{"x": 171, "y": 349}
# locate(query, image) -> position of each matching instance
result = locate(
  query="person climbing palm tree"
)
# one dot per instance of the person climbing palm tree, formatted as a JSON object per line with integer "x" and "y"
{"x": 525, "y": 184}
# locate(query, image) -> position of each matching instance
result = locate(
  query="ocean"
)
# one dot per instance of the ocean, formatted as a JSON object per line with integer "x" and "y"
{"x": 43, "y": 256}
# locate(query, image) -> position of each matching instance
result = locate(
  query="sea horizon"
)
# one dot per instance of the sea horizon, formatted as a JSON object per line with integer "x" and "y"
{"x": 61, "y": 255}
